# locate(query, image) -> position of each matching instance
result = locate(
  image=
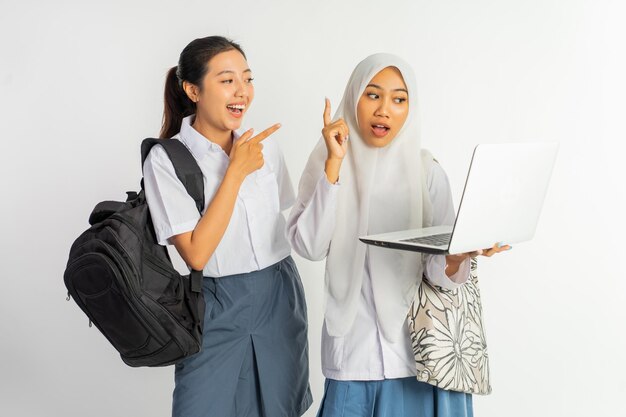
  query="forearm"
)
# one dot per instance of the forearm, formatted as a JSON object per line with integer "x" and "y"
{"x": 197, "y": 246}
{"x": 452, "y": 265}
{"x": 437, "y": 273}
{"x": 331, "y": 168}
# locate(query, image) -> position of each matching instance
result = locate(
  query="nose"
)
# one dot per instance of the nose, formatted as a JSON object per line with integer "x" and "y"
{"x": 383, "y": 109}
{"x": 241, "y": 90}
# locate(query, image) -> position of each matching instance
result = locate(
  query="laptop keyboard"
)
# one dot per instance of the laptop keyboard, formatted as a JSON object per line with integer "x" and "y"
{"x": 433, "y": 240}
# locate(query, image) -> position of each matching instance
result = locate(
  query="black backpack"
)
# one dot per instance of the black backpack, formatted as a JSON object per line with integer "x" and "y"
{"x": 124, "y": 280}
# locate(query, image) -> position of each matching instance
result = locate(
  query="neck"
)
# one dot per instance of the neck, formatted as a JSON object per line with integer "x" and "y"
{"x": 223, "y": 138}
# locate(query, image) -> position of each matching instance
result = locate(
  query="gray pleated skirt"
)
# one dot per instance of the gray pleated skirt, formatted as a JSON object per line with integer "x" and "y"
{"x": 254, "y": 359}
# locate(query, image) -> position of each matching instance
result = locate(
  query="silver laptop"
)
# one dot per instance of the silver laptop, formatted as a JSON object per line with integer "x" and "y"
{"x": 502, "y": 199}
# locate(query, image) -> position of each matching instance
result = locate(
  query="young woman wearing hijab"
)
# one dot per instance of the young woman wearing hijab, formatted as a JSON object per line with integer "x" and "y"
{"x": 367, "y": 357}
{"x": 254, "y": 358}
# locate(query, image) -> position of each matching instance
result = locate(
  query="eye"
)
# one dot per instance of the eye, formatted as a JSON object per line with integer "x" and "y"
{"x": 399, "y": 100}
{"x": 373, "y": 96}
{"x": 227, "y": 81}
{"x": 249, "y": 80}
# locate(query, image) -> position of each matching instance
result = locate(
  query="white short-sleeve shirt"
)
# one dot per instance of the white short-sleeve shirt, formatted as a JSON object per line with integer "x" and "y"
{"x": 255, "y": 237}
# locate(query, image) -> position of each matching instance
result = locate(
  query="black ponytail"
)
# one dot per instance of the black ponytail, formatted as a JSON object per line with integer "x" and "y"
{"x": 177, "y": 105}
{"x": 192, "y": 67}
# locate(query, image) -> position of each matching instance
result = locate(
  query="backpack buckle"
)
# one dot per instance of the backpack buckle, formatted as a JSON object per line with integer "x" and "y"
{"x": 131, "y": 195}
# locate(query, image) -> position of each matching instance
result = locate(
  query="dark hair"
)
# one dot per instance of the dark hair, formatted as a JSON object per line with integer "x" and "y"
{"x": 193, "y": 65}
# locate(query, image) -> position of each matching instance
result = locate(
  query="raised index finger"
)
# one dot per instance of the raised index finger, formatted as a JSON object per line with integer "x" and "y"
{"x": 264, "y": 134}
{"x": 327, "y": 113}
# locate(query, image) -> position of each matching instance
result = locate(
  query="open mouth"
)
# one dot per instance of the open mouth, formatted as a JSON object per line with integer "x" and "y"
{"x": 380, "y": 130}
{"x": 236, "y": 109}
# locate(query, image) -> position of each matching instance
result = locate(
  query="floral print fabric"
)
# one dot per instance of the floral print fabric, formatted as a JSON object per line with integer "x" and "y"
{"x": 448, "y": 338}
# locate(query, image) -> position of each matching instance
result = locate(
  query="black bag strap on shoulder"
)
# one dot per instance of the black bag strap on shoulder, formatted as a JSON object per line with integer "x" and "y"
{"x": 185, "y": 165}
{"x": 189, "y": 173}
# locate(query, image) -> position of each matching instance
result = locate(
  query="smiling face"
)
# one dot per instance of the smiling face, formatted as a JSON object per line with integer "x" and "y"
{"x": 226, "y": 92}
{"x": 383, "y": 108}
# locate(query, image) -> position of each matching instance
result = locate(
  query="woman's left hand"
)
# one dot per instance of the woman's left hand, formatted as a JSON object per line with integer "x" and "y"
{"x": 454, "y": 261}
{"x": 497, "y": 248}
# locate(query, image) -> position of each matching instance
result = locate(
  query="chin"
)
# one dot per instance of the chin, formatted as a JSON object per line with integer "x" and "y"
{"x": 377, "y": 142}
{"x": 233, "y": 124}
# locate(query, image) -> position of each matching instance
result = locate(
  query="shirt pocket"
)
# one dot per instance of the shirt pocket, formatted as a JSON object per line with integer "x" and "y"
{"x": 268, "y": 191}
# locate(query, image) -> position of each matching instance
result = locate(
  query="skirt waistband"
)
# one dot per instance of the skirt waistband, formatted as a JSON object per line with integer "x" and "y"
{"x": 277, "y": 266}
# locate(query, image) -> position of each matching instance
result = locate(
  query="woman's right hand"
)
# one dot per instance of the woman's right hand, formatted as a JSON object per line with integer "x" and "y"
{"x": 336, "y": 138}
{"x": 335, "y": 135}
{"x": 246, "y": 155}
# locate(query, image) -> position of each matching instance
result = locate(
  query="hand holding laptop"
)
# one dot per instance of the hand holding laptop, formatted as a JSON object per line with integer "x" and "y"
{"x": 453, "y": 262}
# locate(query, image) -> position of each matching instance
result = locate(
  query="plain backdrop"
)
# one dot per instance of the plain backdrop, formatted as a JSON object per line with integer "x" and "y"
{"x": 81, "y": 85}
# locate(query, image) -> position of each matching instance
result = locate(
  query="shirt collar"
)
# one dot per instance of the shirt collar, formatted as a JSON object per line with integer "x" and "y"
{"x": 196, "y": 142}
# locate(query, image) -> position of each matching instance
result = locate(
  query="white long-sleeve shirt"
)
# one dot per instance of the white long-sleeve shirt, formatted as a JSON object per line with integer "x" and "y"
{"x": 363, "y": 353}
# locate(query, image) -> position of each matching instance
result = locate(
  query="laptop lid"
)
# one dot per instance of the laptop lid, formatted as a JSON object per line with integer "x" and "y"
{"x": 503, "y": 196}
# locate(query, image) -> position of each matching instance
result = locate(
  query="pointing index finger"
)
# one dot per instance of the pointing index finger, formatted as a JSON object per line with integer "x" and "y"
{"x": 264, "y": 134}
{"x": 327, "y": 112}
{"x": 246, "y": 135}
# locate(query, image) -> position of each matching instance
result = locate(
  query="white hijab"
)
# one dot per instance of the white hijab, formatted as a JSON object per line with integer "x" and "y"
{"x": 382, "y": 190}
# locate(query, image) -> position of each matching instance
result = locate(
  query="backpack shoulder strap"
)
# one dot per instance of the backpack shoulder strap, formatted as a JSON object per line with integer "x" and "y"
{"x": 189, "y": 173}
{"x": 185, "y": 165}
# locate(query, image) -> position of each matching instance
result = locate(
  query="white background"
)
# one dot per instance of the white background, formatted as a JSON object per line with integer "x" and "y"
{"x": 81, "y": 84}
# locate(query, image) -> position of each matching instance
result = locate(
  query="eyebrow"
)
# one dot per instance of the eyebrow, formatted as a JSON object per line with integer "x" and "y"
{"x": 380, "y": 88}
{"x": 231, "y": 72}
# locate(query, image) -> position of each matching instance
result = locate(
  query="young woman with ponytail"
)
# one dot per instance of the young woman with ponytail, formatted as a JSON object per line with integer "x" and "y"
{"x": 254, "y": 359}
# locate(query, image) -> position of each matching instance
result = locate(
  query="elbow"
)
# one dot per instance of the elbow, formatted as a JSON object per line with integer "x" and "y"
{"x": 196, "y": 265}
{"x": 307, "y": 254}
{"x": 304, "y": 243}
{"x": 307, "y": 249}
{"x": 196, "y": 262}
{"x": 316, "y": 256}
{"x": 194, "y": 255}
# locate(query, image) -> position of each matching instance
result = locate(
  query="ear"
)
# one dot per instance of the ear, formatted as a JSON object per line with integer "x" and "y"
{"x": 192, "y": 91}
